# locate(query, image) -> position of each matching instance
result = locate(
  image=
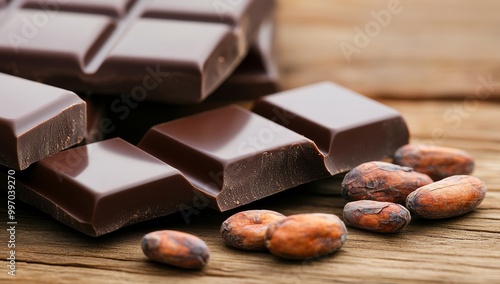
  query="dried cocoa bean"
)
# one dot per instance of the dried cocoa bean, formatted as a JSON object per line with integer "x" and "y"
{"x": 434, "y": 161}
{"x": 376, "y": 216}
{"x": 449, "y": 197}
{"x": 304, "y": 236}
{"x": 382, "y": 181}
{"x": 176, "y": 248}
{"x": 247, "y": 230}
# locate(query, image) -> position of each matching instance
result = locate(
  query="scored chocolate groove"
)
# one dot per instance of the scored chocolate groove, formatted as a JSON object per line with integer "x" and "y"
{"x": 256, "y": 76}
{"x": 114, "y": 46}
{"x": 223, "y": 158}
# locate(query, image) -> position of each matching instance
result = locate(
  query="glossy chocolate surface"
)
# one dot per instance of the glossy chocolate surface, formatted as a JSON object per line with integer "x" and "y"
{"x": 229, "y": 12}
{"x": 113, "y": 47}
{"x": 241, "y": 14}
{"x": 228, "y": 157}
{"x": 235, "y": 156}
{"x": 36, "y": 121}
{"x": 348, "y": 128}
{"x": 116, "y": 8}
{"x": 104, "y": 186}
{"x": 256, "y": 76}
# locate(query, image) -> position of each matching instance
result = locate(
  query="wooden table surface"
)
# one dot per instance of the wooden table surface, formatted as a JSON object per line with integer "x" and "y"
{"x": 435, "y": 61}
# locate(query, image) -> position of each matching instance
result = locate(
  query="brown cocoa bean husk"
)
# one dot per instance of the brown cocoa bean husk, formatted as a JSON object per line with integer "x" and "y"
{"x": 435, "y": 161}
{"x": 246, "y": 230}
{"x": 176, "y": 248}
{"x": 381, "y": 181}
{"x": 376, "y": 216}
{"x": 449, "y": 197}
{"x": 304, "y": 236}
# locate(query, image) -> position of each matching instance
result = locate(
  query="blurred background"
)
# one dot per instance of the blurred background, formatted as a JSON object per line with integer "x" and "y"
{"x": 391, "y": 48}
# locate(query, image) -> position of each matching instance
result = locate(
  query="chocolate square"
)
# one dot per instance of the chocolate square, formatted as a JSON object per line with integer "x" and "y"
{"x": 100, "y": 187}
{"x": 36, "y": 121}
{"x": 235, "y": 156}
{"x": 348, "y": 128}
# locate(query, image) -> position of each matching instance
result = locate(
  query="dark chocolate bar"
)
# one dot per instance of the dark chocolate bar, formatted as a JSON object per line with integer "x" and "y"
{"x": 348, "y": 128}
{"x": 228, "y": 156}
{"x": 104, "y": 186}
{"x": 36, "y": 121}
{"x": 115, "y": 47}
{"x": 256, "y": 76}
{"x": 235, "y": 156}
{"x": 239, "y": 14}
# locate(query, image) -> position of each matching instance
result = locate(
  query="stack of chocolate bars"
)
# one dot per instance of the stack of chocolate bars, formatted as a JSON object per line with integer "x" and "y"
{"x": 134, "y": 117}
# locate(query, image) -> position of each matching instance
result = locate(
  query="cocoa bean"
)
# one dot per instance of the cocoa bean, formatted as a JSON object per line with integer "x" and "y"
{"x": 382, "y": 181}
{"x": 376, "y": 216}
{"x": 304, "y": 236}
{"x": 449, "y": 197}
{"x": 434, "y": 161}
{"x": 247, "y": 229}
{"x": 176, "y": 248}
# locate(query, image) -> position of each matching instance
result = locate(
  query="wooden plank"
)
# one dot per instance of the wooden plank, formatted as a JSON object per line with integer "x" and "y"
{"x": 429, "y": 49}
{"x": 458, "y": 250}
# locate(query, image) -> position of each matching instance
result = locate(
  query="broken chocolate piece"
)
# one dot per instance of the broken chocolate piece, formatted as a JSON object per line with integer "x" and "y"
{"x": 256, "y": 76}
{"x": 225, "y": 157}
{"x": 36, "y": 121}
{"x": 101, "y": 187}
{"x": 348, "y": 128}
{"x": 169, "y": 60}
{"x": 234, "y": 156}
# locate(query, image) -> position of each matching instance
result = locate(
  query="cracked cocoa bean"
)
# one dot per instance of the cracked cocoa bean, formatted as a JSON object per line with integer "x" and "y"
{"x": 376, "y": 216}
{"x": 382, "y": 181}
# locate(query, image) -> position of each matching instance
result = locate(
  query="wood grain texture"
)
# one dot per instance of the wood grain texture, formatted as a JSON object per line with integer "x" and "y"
{"x": 458, "y": 250}
{"x": 432, "y": 49}
{"x": 429, "y": 49}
